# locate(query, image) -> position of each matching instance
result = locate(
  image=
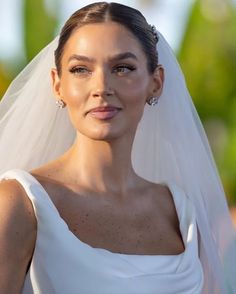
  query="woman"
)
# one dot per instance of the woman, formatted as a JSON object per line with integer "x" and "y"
{"x": 131, "y": 183}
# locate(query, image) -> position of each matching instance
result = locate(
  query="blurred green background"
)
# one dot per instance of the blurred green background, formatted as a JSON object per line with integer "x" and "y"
{"x": 207, "y": 54}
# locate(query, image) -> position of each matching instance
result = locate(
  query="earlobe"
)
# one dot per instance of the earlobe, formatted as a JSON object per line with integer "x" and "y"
{"x": 56, "y": 83}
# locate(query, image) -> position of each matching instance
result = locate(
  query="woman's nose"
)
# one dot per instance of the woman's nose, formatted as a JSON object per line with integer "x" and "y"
{"x": 102, "y": 85}
{"x": 103, "y": 93}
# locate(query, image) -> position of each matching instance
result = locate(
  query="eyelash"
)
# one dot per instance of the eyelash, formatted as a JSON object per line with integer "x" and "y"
{"x": 76, "y": 70}
{"x": 129, "y": 67}
{"x": 79, "y": 70}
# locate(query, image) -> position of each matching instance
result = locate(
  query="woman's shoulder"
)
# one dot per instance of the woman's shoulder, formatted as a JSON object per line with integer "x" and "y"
{"x": 167, "y": 201}
{"x": 18, "y": 224}
{"x": 172, "y": 202}
{"x": 168, "y": 195}
{"x": 14, "y": 202}
{"x": 12, "y": 191}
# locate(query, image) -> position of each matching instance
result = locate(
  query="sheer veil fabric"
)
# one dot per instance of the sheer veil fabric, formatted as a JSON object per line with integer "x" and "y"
{"x": 170, "y": 145}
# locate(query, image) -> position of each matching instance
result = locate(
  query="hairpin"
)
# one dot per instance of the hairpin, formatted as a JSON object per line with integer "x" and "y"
{"x": 154, "y": 32}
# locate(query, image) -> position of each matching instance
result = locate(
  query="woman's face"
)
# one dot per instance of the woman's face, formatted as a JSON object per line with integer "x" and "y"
{"x": 104, "y": 81}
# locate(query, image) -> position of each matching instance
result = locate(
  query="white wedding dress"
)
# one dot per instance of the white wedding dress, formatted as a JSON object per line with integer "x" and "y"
{"x": 63, "y": 264}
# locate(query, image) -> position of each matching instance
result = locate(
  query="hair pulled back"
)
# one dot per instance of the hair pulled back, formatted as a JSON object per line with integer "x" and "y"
{"x": 101, "y": 12}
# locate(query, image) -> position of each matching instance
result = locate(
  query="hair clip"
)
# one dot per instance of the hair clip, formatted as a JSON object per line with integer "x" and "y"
{"x": 154, "y": 32}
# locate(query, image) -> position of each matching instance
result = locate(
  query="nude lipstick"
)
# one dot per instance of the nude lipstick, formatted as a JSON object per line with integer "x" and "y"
{"x": 106, "y": 112}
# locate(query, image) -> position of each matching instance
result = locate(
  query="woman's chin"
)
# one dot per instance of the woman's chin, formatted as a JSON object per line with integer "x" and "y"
{"x": 105, "y": 137}
{"x": 104, "y": 134}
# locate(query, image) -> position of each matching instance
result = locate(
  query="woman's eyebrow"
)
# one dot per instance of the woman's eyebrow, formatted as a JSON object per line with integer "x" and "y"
{"x": 80, "y": 58}
{"x": 116, "y": 57}
{"x": 124, "y": 55}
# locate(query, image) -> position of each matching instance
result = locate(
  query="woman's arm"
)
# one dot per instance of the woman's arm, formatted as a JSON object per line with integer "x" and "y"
{"x": 18, "y": 229}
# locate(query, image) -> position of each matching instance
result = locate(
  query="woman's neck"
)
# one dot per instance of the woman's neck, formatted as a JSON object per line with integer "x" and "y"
{"x": 101, "y": 165}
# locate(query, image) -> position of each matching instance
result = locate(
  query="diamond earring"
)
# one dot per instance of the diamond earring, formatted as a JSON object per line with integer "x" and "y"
{"x": 152, "y": 101}
{"x": 60, "y": 103}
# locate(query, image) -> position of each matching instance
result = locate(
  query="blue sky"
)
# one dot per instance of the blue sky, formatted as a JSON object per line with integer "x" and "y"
{"x": 169, "y": 16}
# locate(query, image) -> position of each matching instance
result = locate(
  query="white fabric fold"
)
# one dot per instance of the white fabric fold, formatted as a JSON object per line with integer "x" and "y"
{"x": 64, "y": 264}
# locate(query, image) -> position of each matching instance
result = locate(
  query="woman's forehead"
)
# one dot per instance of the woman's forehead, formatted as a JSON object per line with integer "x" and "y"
{"x": 108, "y": 38}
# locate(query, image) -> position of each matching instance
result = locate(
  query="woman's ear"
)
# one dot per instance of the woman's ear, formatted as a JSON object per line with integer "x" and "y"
{"x": 158, "y": 81}
{"x": 56, "y": 83}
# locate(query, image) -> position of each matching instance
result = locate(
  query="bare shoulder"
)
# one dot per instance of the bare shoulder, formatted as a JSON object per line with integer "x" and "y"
{"x": 13, "y": 197}
{"x": 18, "y": 225}
{"x": 161, "y": 197}
{"x": 17, "y": 235}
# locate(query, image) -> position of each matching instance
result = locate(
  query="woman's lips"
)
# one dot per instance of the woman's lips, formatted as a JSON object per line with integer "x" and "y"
{"x": 106, "y": 112}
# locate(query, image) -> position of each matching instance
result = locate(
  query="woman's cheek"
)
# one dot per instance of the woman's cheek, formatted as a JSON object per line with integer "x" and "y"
{"x": 72, "y": 94}
{"x": 135, "y": 90}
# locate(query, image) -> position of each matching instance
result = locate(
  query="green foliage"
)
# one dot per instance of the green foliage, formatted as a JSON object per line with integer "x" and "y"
{"x": 38, "y": 30}
{"x": 208, "y": 59}
{"x": 39, "y": 26}
{"x": 4, "y": 80}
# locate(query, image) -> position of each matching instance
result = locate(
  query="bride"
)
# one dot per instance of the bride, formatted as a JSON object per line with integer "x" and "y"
{"x": 115, "y": 190}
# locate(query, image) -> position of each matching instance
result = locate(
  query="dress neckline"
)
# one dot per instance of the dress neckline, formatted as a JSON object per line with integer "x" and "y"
{"x": 49, "y": 200}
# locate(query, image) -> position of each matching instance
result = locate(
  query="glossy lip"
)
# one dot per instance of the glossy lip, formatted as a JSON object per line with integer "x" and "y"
{"x": 104, "y": 108}
{"x": 104, "y": 112}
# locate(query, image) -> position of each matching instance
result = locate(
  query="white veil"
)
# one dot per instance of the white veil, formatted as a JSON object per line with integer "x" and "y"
{"x": 170, "y": 145}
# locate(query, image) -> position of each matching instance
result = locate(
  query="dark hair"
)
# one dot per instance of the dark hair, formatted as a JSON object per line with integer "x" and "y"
{"x": 100, "y": 12}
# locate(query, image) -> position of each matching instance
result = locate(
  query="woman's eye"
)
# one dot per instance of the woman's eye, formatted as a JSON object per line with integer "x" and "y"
{"x": 79, "y": 70}
{"x": 123, "y": 69}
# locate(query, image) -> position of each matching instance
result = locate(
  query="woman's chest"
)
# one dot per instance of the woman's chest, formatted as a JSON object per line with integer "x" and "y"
{"x": 130, "y": 228}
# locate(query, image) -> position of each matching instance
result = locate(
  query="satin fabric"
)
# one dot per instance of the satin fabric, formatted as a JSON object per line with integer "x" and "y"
{"x": 62, "y": 263}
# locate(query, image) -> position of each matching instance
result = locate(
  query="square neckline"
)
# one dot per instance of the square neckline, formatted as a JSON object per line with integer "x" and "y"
{"x": 48, "y": 198}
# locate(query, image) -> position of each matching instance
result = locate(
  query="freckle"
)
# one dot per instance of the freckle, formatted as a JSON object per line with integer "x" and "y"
{"x": 87, "y": 214}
